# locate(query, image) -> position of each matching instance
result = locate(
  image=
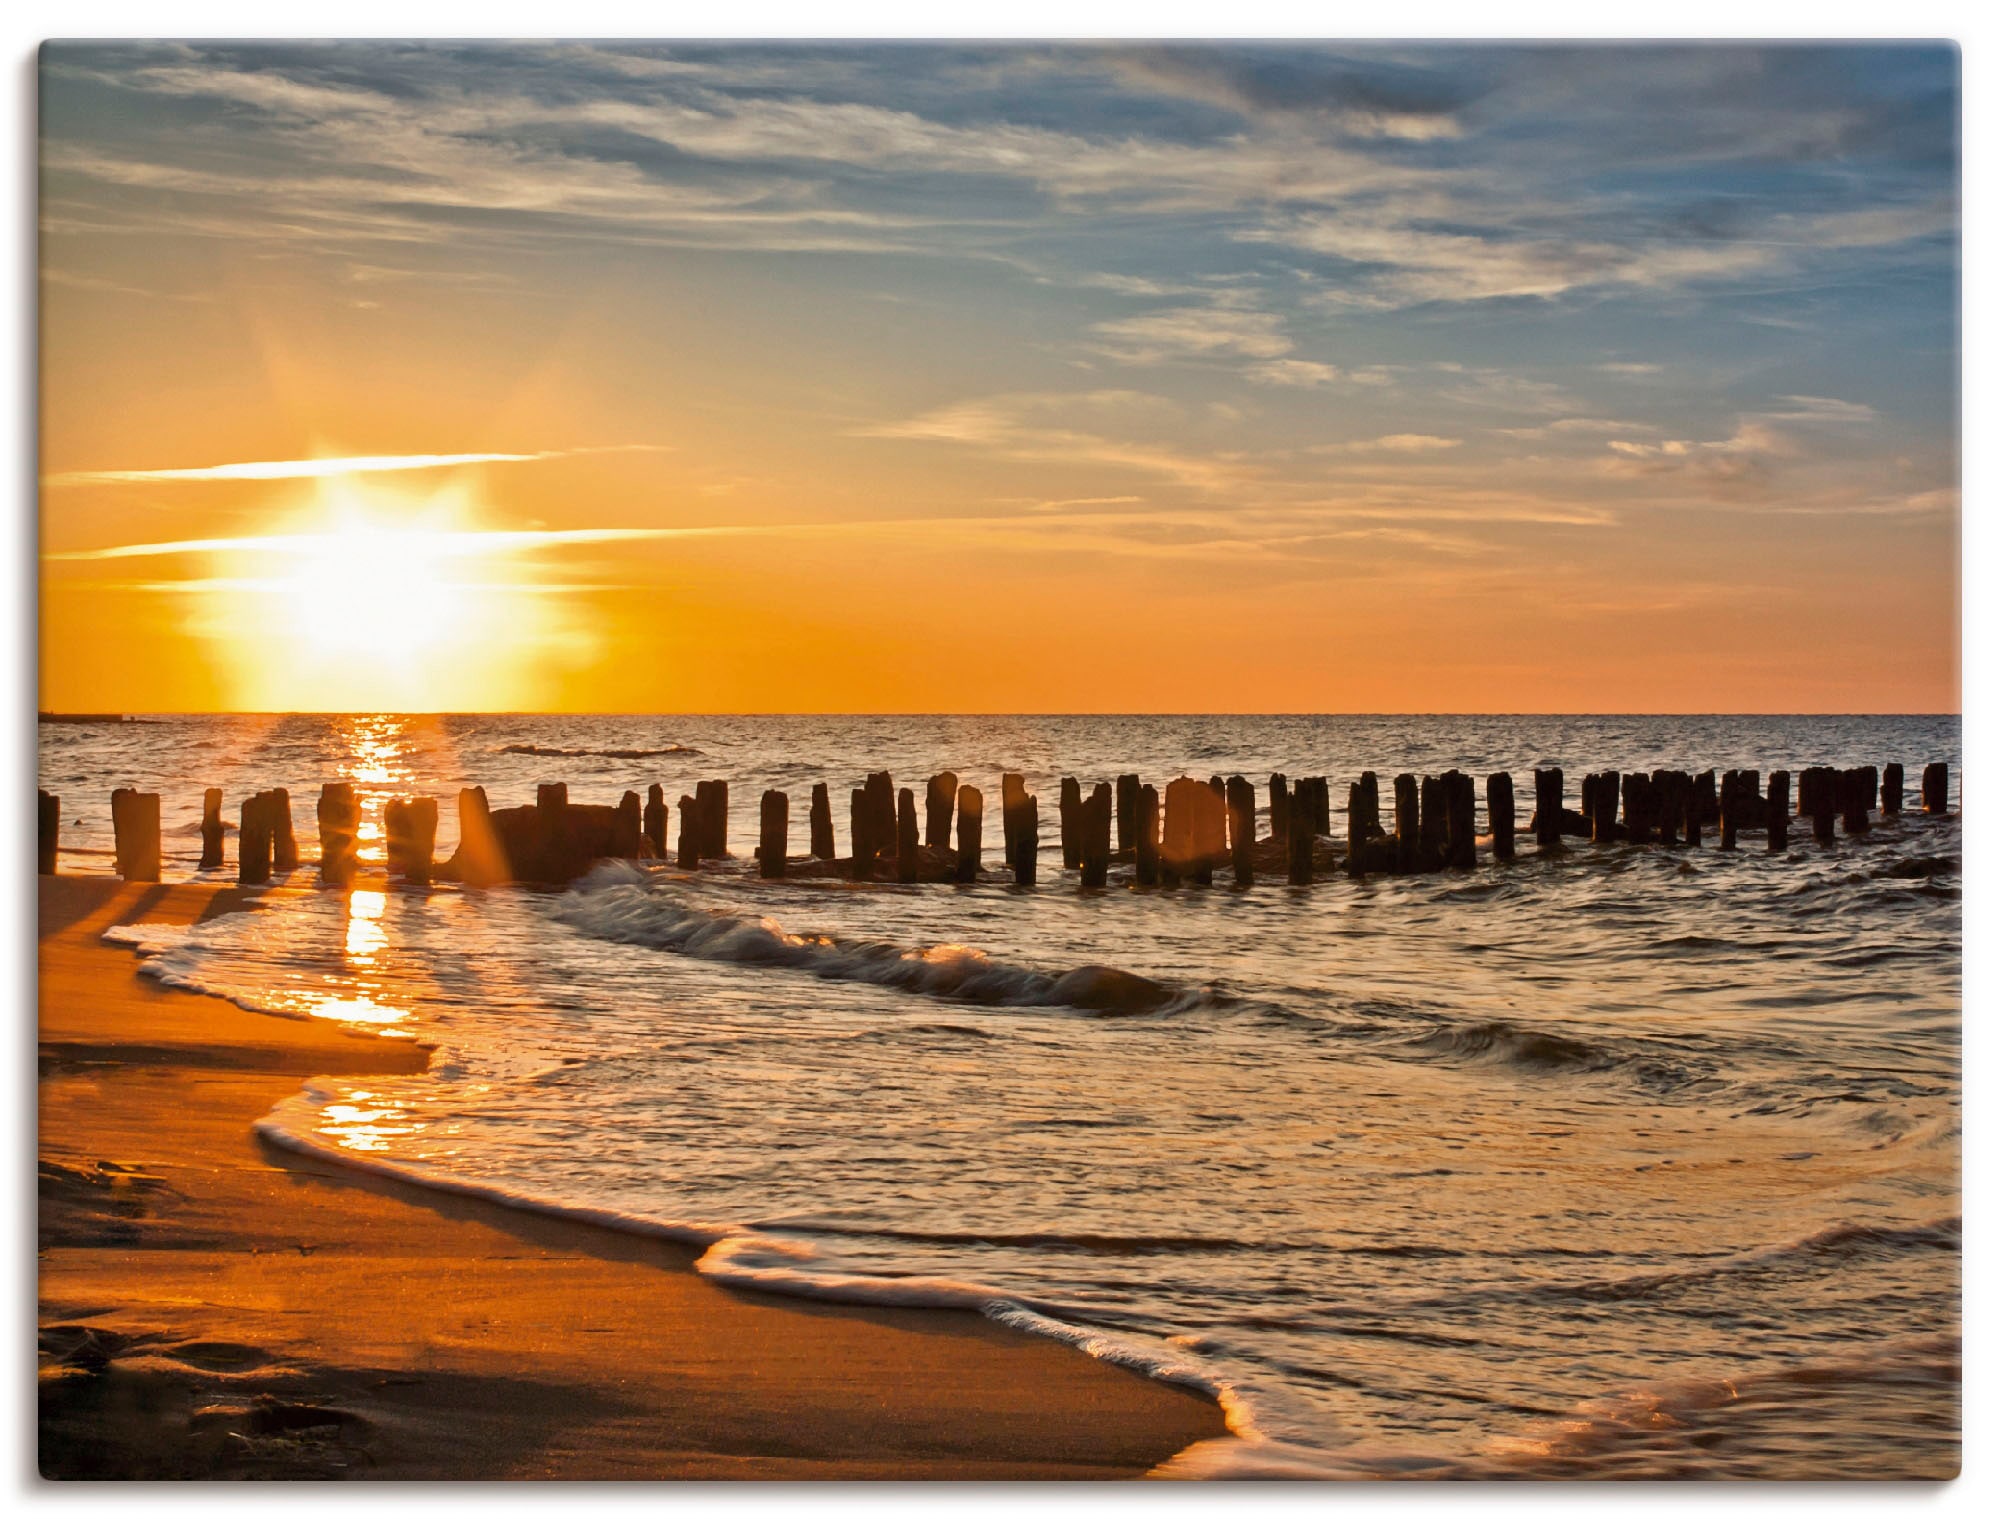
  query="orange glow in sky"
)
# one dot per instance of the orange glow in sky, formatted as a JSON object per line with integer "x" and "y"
{"x": 1070, "y": 382}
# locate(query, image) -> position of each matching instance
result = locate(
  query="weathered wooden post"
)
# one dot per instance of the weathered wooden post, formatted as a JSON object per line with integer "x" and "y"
{"x": 1892, "y": 790}
{"x": 1433, "y": 828}
{"x": 1242, "y": 803}
{"x": 1146, "y": 837}
{"x": 481, "y": 859}
{"x": 881, "y": 794}
{"x": 1357, "y": 832}
{"x": 628, "y": 839}
{"x": 1548, "y": 809}
{"x": 1500, "y": 813}
{"x": 1299, "y": 840}
{"x": 939, "y": 795}
{"x": 1281, "y": 808}
{"x": 1012, "y": 789}
{"x": 1209, "y": 824}
{"x": 655, "y": 819}
{"x": 1067, "y": 807}
{"x": 906, "y": 836}
{"x": 395, "y": 835}
{"x": 1706, "y": 806}
{"x": 1409, "y": 823}
{"x": 253, "y": 840}
{"x": 1027, "y": 839}
{"x": 1322, "y": 808}
{"x": 1128, "y": 812}
{"x": 1094, "y": 819}
{"x": 860, "y": 830}
{"x": 48, "y": 829}
{"x": 687, "y": 854}
{"x": 713, "y": 799}
{"x": 211, "y": 829}
{"x": 1370, "y": 794}
{"x": 551, "y": 796}
{"x": 135, "y": 831}
{"x": 774, "y": 834}
{"x": 1855, "y": 794}
{"x": 424, "y": 831}
{"x": 971, "y": 812}
{"x": 284, "y": 843}
{"x": 1731, "y": 801}
{"x": 1461, "y": 849}
{"x": 819, "y": 821}
{"x": 1777, "y": 810}
{"x": 1604, "y": 804}
{"x": 1638, "y": 821}
{"x": 1936, "y": 786}
{"x": 1824, "y": 803}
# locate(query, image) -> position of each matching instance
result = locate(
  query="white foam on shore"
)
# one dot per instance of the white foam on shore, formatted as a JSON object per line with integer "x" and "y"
{"x": 736, "y": 1255}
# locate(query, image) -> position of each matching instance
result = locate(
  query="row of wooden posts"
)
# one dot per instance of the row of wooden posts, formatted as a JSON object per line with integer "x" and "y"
{"x": 1185, "y": 834}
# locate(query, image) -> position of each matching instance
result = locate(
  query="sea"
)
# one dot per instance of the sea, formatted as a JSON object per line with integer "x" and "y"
{"x": 1615, "y": 1161}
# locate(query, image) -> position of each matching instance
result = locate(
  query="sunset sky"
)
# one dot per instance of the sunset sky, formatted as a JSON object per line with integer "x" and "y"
{"x": 951, "y": 378}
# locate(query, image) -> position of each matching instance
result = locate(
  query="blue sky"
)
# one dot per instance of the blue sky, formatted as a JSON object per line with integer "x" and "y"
{"x": 1470, "y": 323}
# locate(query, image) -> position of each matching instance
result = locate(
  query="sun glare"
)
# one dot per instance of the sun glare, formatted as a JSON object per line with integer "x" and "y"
{"x": 375, "y": 592}
{"x": 375, "y": 601}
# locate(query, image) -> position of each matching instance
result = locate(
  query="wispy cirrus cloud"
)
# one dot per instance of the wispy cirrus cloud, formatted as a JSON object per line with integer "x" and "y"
{"x": 328, "y": 468}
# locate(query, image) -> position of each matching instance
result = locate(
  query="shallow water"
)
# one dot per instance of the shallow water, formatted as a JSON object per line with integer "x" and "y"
{"x": 1628, "y": 1162}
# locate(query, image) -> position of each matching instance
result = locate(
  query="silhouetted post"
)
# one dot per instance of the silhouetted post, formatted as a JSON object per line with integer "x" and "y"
{"x": 713, "y": 799}
{"x": 906, "y": 836}
{"x": 211, "y": 828}
{"x": 1322, "y": 808}
{"x": 1299, "y": 841}
{"x": 1777, "y": 810}
{"x": 1636, "y": 787}
{"x": 1548, "y": 809}
{"x": 1368, "y": 792}
{"x": 1012, "y": 790}
{"x": 1146, "y": 837}
{"x": 655, "y": 819}
{"x": 481, "y": 860}
{"x": 1855, "y": 795}
{"x": 939, "y": 795}
{"x": 253, "y": 840}
{"x": 1067, "y": 808}
{"x": 1408, "y": 824}
{"x": 1500, "y": 813}
{"x": 48, "y": 829}
{"x": 1604, "y": 804}
{"x": 1093, "y": 822}
{"x": 135, "y": 832}
{"x": 1823, "y": 801}
{"x": 1242, "y": 802}
{"x": 424, "y": 832}
{"x": 628, "y": 840}
{"x": 1892, "y": 790}
{"x": 395, "y": 835}
{"x": 819, "y": 820}
{"x": 971, "y": 813}
{"x": 1461, "y": 814}
{"x": 860, "y": 830}
{"x": 1433, "y": 828}
{"x": 1936, "y": 786}
{"x": 1177, "y": 829}
{"x": 1211, "y": 822}
{"x": 1731, "y": 802}
{"x": 284, "y": 843}
{"x": 774, "y": 834}
{"x": 881, "y": 793}
{"x": 1706, "y": 806}
{"x": 1281, "y": 808}
{"x": 1357, "y": 830}
{"x": 551, "y": 796}
{"x": 688, "y": 853}
{"x": 1028, "y": 844}
{"x": 1128, "y": 812}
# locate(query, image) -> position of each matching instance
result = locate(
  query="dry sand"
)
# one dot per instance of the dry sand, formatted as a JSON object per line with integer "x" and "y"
{"x": 214, "y": 1307}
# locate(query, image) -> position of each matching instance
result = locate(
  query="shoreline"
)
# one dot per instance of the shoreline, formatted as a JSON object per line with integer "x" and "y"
{"x": 213, "y": 1305}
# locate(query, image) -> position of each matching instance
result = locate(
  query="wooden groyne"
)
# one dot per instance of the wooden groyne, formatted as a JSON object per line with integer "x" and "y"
{"x": 1179, "y": 834}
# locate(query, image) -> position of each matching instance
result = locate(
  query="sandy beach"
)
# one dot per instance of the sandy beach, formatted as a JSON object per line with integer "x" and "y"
{"x": 213, "y": 1307}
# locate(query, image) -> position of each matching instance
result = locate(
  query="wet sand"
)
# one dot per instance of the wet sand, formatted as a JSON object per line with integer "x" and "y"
{"x": 213, "y": 1307}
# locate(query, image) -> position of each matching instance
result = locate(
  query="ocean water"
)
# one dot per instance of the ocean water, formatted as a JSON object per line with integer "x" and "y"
{"x": 1627, "y": 1162}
